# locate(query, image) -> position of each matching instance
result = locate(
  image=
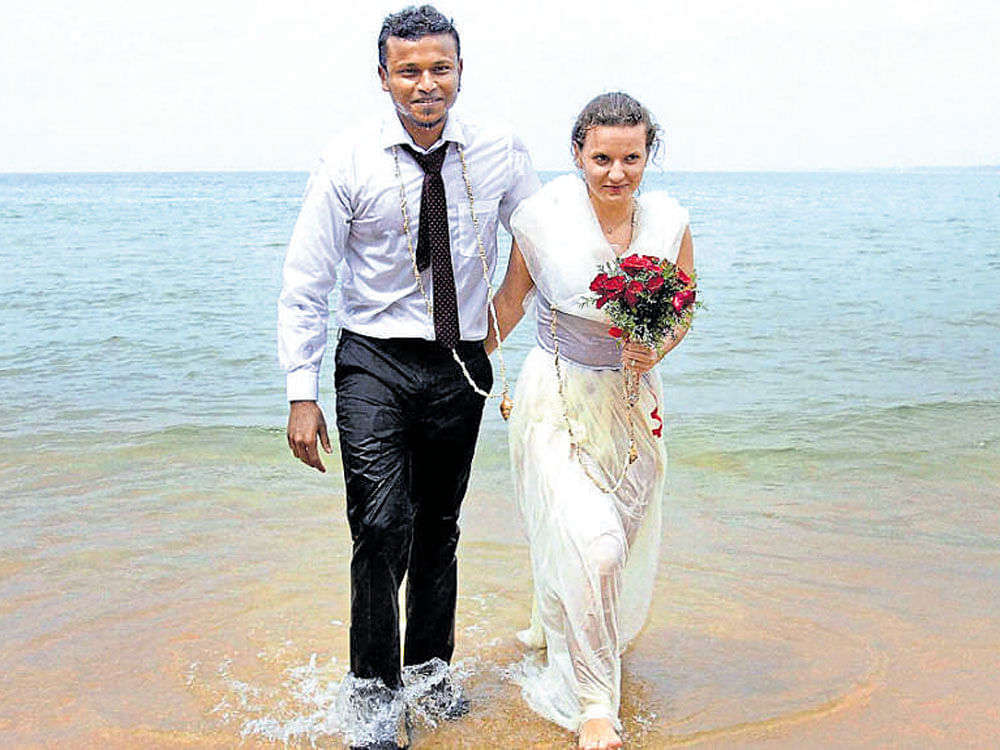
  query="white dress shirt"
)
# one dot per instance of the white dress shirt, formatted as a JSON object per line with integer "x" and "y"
{"x": 351, "y": 223}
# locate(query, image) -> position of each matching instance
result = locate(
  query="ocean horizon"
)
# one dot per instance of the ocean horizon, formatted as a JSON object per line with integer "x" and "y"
{"x": 550, "y": 172}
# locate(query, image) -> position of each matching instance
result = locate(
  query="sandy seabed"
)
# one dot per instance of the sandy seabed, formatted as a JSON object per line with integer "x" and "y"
{"x": 164, "y": 616}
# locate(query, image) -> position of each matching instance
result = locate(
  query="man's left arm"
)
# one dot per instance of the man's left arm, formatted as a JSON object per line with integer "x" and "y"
{"x": 522, "y": 182}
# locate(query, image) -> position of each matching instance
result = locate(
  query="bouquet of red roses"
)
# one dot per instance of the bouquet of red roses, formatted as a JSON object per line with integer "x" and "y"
{"x": 646, "y": 297}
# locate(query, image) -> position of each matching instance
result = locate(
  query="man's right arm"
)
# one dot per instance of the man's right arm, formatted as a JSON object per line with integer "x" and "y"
{"x": 303, "y": 308}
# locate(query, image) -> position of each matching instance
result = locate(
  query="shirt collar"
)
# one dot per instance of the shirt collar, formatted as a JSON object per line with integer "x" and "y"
{"x": 394, "y": 134}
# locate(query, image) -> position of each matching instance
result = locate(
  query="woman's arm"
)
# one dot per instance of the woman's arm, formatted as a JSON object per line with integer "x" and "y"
{"x": 641, "y": 358}
{"x": 685, "y": 256}
{"x": 509, "y": 301}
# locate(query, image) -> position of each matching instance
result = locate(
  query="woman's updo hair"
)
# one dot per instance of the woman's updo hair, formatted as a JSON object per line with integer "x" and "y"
{"x": 615, "y": 108}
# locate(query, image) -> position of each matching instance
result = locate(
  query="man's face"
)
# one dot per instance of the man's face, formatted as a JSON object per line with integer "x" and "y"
{"x": 422, "y": 76}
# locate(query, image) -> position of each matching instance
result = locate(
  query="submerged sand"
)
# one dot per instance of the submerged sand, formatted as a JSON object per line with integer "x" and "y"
{"x": 172, "y": 617}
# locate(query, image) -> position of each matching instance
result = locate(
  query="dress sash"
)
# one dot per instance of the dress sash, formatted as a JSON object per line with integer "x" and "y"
{"x": 581, "y": 341}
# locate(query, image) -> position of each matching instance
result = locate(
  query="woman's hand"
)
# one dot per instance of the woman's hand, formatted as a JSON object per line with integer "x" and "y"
{"x": 641, "y": 359}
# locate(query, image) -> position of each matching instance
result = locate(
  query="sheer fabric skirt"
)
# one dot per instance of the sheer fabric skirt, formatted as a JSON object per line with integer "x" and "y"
{"x": 593, "y": 555}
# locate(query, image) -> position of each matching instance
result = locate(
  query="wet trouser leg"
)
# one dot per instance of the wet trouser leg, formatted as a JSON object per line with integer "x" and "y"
{"x": 408, "y": 422}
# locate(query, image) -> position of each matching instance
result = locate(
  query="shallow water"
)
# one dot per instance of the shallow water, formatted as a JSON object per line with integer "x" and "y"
{"x": 830, "y": 561}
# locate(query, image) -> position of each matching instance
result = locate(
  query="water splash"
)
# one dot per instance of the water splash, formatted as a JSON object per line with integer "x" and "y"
{"x": 317, "y": 701}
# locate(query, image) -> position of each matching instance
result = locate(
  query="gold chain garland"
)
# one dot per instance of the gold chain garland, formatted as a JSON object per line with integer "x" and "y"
{"x": 505, "y": 401}
{"x": 630, "y": 391}
{"x": 630, "y": 394}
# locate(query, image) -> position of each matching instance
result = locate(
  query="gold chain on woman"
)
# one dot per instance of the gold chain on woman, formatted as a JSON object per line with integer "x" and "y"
{"x": 505, "y": 401}
{"x": 630, "y": 395}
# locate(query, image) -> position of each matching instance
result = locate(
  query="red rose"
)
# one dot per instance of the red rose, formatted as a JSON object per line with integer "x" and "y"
{"x": 682, "y": 299}
{"x": 633, "y": 265}
{"x": 683, "y": 277}
{"x": 652, "y": 262}
{"x": 654, "y": 284}
{"x": 632, "y": 292}
{"x": 597, "y": 285}
{"x": 614, "y": 285}
{"x": 615, "y": 332}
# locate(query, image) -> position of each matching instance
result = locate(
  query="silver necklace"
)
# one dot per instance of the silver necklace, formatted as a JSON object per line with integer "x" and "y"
{"x": 613, "y": 227}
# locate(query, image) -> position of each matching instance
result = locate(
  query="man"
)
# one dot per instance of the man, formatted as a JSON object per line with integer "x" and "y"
{"x": 407, "y": 415}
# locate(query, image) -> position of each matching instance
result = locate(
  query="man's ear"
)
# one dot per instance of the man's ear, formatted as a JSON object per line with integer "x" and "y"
{"x": 383, "y": 75}
{"x": 460, "y": 66}
{"x": 577, "y": 159}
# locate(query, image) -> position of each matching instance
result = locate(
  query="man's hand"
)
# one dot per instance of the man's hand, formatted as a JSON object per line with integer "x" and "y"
{"x": 305, "y": 422}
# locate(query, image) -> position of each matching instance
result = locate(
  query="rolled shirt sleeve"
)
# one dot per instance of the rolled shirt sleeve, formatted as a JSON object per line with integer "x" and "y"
{"x": 310, "y": 273}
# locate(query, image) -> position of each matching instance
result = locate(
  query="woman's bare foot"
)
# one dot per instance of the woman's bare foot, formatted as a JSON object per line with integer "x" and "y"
{"x": 598, "y": 734}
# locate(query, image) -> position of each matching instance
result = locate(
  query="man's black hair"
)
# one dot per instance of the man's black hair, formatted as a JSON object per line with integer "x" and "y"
{"x": 414, "y": 23}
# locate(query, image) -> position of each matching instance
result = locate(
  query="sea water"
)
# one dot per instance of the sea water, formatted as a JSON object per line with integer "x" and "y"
{"x": 830, "y": 560}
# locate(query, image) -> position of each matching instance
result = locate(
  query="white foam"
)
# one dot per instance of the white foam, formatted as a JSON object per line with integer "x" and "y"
{"x": 318, "y": 700}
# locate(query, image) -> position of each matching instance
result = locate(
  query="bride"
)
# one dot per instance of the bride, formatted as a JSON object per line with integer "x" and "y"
{"x": 593, "y": 531}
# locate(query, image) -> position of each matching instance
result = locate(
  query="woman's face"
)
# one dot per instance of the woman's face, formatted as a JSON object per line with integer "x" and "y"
{"x": 613, "y": 159}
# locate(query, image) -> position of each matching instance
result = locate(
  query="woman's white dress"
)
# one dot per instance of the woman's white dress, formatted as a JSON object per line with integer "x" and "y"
{"x": 593, "y": 555}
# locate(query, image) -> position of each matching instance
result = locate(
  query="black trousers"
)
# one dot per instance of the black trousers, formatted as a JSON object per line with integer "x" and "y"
{"x": 408, "y": 422}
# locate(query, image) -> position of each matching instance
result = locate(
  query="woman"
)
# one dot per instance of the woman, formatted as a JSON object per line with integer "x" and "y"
{"x": 593, "y": 525}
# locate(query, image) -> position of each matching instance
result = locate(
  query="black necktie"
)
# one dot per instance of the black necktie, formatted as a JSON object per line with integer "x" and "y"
{"x": 434, "y": 245}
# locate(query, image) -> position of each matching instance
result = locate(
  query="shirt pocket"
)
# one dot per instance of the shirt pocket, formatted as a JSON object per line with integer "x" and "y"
{"x": 486, "y": 217}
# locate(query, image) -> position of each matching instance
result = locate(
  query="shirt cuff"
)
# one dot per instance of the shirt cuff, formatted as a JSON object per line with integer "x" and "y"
{"x": 302, "y": 385}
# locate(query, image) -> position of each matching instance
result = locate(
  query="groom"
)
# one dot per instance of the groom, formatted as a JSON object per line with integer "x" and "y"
{"x": 388, "y": 208}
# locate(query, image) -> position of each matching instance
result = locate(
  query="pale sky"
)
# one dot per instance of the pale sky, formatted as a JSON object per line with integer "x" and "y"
{"x": 109, "y": 85}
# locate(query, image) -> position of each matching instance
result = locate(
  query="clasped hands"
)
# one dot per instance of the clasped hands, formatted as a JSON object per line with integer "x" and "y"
{"x": 306, "y": 422}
